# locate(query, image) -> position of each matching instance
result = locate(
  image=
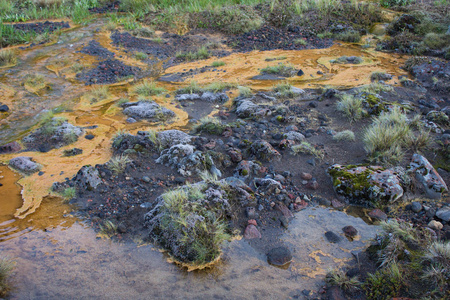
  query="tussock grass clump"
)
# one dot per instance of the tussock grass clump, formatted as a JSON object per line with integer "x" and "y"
{"x": 307, "y": 148}
{"x": 284, "y": 90}
{"x": 218, "y": 63}
{"x": 6, "y": 268}
{"x": 69, "y": 193}
{"x": 35, "y": 81}
{"x": 276, "y": 58}
{"x": 192, "y": 88}
{"x": 285, "y": 70}
{"x": 201, "y": 53}
{"x": 210, "y": 125}
{"x": 147, "y": 88}
{"x": 245, "y": 91}
{"x": 346, "y": 135}
{"x": 97, "y": 93}
{"x": 118, "y": 164}
{"x": 108, "y": 229}
{"x": 235, "y": 19}
{"x": 377, "y": 76}
{"x": 190, "y": 222}
{"x": 347, "y": 60}
{"x": 340, "y": 279}
{"x": 7, "y": 57}
{"x": 140, "y": 56}
{"x": 351, "y": 106}
{"x": 219, "y": 86}
{"x": 385, "y": 137}
{"x": 349, "y": 36}
{"x": 375, "y": 88}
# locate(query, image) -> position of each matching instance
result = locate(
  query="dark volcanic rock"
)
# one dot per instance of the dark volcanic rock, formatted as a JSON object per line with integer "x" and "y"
{"x": 10, "y": 148}
{"x": 94, "y": 48}
{"x": 4, "y": 108}
{"x": 332, "y": 237}
{"x": 350, "y": 231}
{"x": 279, "y": 256}
{"x": 108, "y": 71}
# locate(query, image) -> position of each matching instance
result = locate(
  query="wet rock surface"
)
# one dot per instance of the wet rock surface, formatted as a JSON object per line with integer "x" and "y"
{"x": 148, "y": 110}
{"x": 107, "y": 72}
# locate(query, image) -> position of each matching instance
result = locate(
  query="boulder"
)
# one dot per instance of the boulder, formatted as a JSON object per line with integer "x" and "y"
{"x": 378, "y": 214}
{"x": 430, "y": 179}
{"x": 279, "y": 256}
{"x": 263, "y": 150}
{"x": 444, "y": 214}
{"x": 169, "y": 138}
{"x": 148, "y": 110}
{"x": 366, "y": 185}
{"x": 10, "y": 148}
{"x": 294, "y": 136}
{"x": 88, "y": 178}
{"x": 251, "y": 232}
{"x": 24, "y": 164}
{"x": 435, "y": 225}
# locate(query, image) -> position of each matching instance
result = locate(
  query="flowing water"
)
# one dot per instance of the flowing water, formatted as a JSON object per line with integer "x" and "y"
{"x": 59, "y": 256}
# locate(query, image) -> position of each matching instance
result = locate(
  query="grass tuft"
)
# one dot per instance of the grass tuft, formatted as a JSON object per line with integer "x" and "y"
{"x": 346, "y": 135}
{"x": 118, "y": 164}
{"x": 97, "y": 93}
{"x": 147, "y": 88}
{"x": 340, "y": 279}
{"x": 285, "y": 70}
{"x": 218, "y": 63}
{"x": 7, "y": 57}
{"x": 6, "y": 268}
{"x": 351, "y": 106}
{"x": 201, "y": 53}
{"x": 307, "y": 148}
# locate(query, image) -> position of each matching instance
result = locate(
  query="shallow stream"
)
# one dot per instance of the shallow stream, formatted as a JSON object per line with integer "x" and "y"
{"x": 59, "y": 256}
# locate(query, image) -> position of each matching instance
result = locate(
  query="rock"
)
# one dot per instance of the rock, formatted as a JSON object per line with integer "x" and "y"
{"x": 416, "y": 207}
{"x": 246, "y": 109}
{"x": 427, "y": 175}
{"x": 130, "y": 120}
{"x": 251, "y": 213}
{"x": 403, "y": 23}
{"x": 10, "y": 148}
{"x": 187, "y": 161}
{"x": 267, "y": 186}
{"x": 214, "y": 97}
{"x": 187, "y": 97}
{"x": 444, "y": 214}
{"x": 284, "y": 210}
{"x": 89, "y": 136}
{"x": 297, "y": 91}
{"x": 4, "y": 108}
{"x": 235, "y": 155}
{"x": 147, "y": 110}
{"x": 245, "y": 168}
{"x": 350, "y": 231}
{"x": 251, "y": 232}
{"x": 300, "y": 72}
{"x": 146, "y": 179}
{"x": 366, "y": 185}
{"x": 72, "y": 152}
{"x": 378, "y": 214}
{"x": 88, "y": 178}
{"x": 24, "y": 164}
{"x": 335, "y": 293}
{"x": 284, "y": 222}
{"x": 332, "y": 237}
{"x": 305, "y": 176}
{"x": 337, "y": 204}
{"x": 279, "y": 256}
{"x": 294, "y": 136}
{"x": 435, "y": 225}
{"x": 263, "y": 150}
{"x": 169, "y": 138}
{"x": 312, "y": 185}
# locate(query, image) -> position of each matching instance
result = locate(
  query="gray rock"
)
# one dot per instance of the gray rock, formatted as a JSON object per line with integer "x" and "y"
{"x": 444, "y": 213}
{"x": 169, "y": 138}
{"x": 427, "y": 175}
{"x": 297, "y": 91}
{"x": 148, "y": 110}
{"x": 88, "y": 178}
{"x": 246, "y": 109}
{"x": 24, "y": 164}
{"x": 279, "y": 256}
{"x": 294, "y": 136}
{"x": 187, "y": 97}
{"x": 131, "y": 120}
{"x": 146, "y": 179}
{"x": 416, "y": 207}
{"x": 215, "y": 97}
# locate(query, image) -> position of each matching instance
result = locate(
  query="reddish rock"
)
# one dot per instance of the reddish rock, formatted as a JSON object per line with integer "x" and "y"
{"x": 285, "y": 144}
{"x": 337, "y": 204}
{"x": 252, "y": 222}
{"x": 378, "y": 214}
{"x": 335, "y": 293}
{"x": 350, "y": 231}
{"x": 227, "y": 132}
{"x": 302, "y": 204}
{"x": 211, "y": 145}
{"x": 312, "y": 185}
{"x": 235, "y": 155}
{"x": 305, "y": 176}
{"x": 284, "y": 210}
{"x": 427, "y": 175}
{"x": 10, "y": 147}
{"x": 251, "y": 232}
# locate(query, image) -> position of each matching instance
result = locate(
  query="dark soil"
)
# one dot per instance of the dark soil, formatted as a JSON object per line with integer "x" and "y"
{"x": 270, "y": 38}
{"x": 94, "y": 48}
{"x": 107, "y": 72}
{"x": 41, "y": 27}
{"x": 112, "y": 6}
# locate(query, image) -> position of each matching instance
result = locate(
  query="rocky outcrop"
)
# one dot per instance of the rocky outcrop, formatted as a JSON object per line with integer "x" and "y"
{"x": 206, "y": 96}
{"x": 88, "y": 178}
{"x": 169, "y": 138}
{"x": 366, "y": 185}
{"x": 430, "y": 179}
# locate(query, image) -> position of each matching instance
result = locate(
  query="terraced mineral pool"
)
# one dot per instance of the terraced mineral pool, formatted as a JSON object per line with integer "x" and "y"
{"x": 59, "y": 256}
